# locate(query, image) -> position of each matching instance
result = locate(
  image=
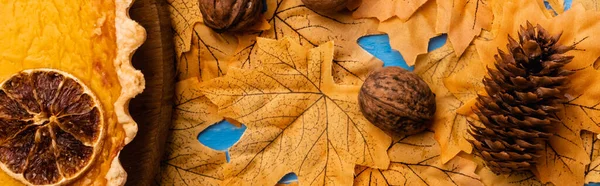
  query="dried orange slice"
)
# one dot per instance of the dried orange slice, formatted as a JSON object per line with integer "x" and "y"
{"x": 56, "y": 128}
{"x": 51, "y": 126}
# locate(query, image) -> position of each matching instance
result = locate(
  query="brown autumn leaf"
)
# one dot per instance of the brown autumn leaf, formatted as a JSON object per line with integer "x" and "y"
{"x": 186, "y": 160}
{"x": 439, "y": 68}
{"x": 565, "y": 153}
{"x": 299, "y": 120}
{"x": 411, "y": 37}
{"x": 386, "y": 9}
{"x": 415, "y": 160}
{"x": 290, "y": 18}
{"x": 589, "y": 4}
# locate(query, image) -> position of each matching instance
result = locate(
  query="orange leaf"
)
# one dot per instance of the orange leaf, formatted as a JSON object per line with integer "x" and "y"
{"x": 290, "y": 18}
{"x": 588, "y": 4}
{"x": 468, "y": 18}
{"x": 186, "y": 160}
{"x": 299, "y": 120}
{"x": 411, "y": 38}
{"x": 436, "y": 68}
{"x": 416, "y": 161}
{"x": 385, "y": 9}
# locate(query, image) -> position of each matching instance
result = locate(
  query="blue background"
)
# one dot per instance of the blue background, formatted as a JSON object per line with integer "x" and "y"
{"x": 223, "y": 135}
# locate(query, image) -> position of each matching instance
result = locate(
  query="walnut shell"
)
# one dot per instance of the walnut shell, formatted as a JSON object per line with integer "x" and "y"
{"x": 397, "y": 101}
{"x": 325, "y": 5}
{"x": 230, "y": 15}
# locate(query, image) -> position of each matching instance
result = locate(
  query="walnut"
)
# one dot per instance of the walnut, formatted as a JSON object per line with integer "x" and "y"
{"x": 397, "y": 101}
{"x": 230, "y": 15}
{"x": 325, "y": 5}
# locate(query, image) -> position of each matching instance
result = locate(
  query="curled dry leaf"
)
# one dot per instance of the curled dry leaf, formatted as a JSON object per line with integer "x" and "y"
{"x": 565, "y": 153}
{"x": 299, "y": 120}
{"x": 290, "y": 18}
{"x": 439, "y": 68}
{"x": 415, "y": 160}
{"x": 385, "y": 9}
{"x": 186, "y": 160}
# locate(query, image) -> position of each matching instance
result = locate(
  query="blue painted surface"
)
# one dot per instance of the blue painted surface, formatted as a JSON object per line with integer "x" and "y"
{"x": 223, "y": 135}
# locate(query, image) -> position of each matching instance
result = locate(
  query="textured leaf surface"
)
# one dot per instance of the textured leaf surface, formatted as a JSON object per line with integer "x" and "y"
{"x": 589, "y": 4}
{"x": 565, "y": 153}
{"x": 290, "y": 18}
{"x": 439, "y": 69}
{"x": 468, "y": 18}
{"x": 411, "y": 38}
{"x": 592, "y": 147}
{"x": 415, "y": 160}
{"x": 385, "y": 9}
{"x": 186, "y": 160}
{"x": 299, "y": 120}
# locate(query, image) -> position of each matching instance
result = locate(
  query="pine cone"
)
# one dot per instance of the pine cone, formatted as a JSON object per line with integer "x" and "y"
{"x": 525, "y": 91}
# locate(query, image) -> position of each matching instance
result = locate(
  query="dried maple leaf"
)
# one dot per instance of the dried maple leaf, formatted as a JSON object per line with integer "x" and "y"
{"x": 415, "y": 160}
{"x": 592, "y": 147}
{"x": 589, "y": 4}
{"x": 411, "y": 37}
{"x": 290, "y": 18}
{"x": 439, "y": 68}
{"x": 299, "y": 120}
{"x": 565, "y": 153}
{"x": 514, "y": 179}
{"x": 200, "y": 51}
{"x": 468, "y": 18}
{"x": 385, "y": 9}
{"x": 186, "y": 160}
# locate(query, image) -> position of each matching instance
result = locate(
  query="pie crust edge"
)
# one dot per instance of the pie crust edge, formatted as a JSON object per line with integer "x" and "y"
{"x": 130, "y": 35}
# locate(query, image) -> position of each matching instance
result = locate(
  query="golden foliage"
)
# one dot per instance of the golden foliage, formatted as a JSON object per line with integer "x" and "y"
{"x": 299, "y": 102}
{"x": 299, "y": 120}
{"x": 415, "y": 160}
{"x": 385, "y": 9}
{"x": 187, "y": 161}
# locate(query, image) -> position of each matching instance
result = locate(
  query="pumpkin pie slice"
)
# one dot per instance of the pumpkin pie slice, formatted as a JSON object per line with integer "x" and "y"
{"x": 65, "y": 82}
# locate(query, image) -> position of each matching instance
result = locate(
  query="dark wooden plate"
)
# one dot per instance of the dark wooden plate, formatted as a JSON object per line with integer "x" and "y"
{"x": 152, "y": 109}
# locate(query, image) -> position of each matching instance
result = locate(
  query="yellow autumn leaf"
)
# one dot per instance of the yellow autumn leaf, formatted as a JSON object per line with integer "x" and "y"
{"x": 588, "y": 4}
{"x": 591, "y": 142}
{"x": 490, "y": 178}
{"x": 186, "y": 160}
{"x": 438, "y": 68}
{"x": 299, "y": 120}
{"x": 415, "y": 160}
{"x": 565, "y": 153}
{"x": 557, "y": 5}
{"x": 411, "y": 37}
{"x": 290, "y": 18}
{"x": 469, "y": 17}
{"x": 385, "y": 9}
